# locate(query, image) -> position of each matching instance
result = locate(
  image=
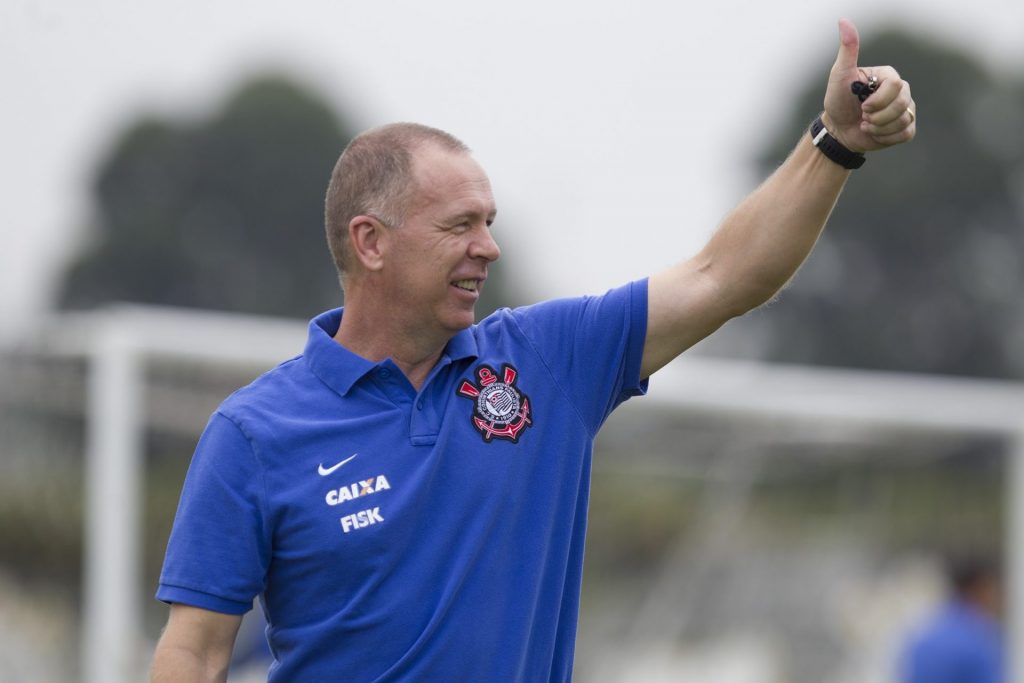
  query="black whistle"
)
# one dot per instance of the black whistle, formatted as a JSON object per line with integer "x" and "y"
{"x": 863, "y": 90}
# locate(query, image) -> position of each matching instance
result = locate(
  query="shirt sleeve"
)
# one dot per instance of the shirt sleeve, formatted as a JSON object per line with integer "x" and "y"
{"x": 593, "y": 346}
{"x": 219, "y": 548}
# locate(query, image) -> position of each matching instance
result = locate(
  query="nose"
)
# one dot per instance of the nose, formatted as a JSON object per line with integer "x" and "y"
{"x": 484, "y": 246}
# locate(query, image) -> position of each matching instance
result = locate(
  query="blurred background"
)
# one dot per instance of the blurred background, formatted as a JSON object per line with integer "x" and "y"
{"x": 176, "y": 157}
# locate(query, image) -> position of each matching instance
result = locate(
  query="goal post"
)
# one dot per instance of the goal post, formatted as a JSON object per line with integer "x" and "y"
{"x": 874, "y": 400}
{"x": 117, "y": 343}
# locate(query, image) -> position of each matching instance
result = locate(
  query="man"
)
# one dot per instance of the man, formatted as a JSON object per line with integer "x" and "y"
{"x": 963, "y": 642}
{"x": 408, "y": 498}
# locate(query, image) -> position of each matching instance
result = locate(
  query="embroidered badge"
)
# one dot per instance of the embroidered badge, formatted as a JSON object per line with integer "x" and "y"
{"x": 501, "y": 411}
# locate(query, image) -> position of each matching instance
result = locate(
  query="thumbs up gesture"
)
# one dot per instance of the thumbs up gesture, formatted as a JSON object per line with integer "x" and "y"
{"x": 886, "y": 118}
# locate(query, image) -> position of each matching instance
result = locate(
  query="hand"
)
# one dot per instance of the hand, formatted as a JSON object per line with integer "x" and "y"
{"x": 884, "y": 119}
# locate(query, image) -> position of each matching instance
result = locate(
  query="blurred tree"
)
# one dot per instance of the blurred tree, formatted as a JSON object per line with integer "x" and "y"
{"x": 920, "y": 268}
{"x": 226, "y": 213}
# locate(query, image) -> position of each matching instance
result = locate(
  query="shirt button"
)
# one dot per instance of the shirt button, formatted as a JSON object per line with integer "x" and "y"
{"x": 385, "y": 373}
{"x": 419, "y": 405}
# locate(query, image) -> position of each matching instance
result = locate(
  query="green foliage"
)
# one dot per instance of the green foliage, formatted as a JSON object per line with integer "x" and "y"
{"x": 224, "y": 213}
{"x": 921, "y": 266}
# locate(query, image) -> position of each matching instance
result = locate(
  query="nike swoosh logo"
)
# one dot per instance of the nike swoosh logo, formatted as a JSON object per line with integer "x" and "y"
{"x": 324, "y": 471}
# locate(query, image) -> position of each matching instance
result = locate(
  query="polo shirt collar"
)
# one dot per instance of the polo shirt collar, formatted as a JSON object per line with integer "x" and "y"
{"x": 462, "y": 345}
{"x": 340, "y": 369}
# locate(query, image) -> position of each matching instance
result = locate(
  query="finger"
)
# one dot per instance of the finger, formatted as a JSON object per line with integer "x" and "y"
{"x": 889, "y": 86}
{"x": 849, "y": 46}
{"x": 893, "y": 100}
{"x": 904, "y": 135}
{"x": 905, "y": 120}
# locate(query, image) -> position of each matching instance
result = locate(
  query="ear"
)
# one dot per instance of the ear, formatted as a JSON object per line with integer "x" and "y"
{"x": 367, "y": 238}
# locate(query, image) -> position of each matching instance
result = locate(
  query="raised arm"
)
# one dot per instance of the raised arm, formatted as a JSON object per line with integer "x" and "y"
{"x": 763, "y": 241}
{"x": 195, "y": 647}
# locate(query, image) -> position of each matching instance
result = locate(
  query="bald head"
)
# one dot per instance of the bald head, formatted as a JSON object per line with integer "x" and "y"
{"x": 375, "y": 177}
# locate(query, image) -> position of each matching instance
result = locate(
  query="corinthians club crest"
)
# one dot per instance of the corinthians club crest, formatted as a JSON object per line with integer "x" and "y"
{"x": 500, "y": 410}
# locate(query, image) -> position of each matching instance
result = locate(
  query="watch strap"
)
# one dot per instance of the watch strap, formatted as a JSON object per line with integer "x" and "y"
{"x": 832, "y": 148}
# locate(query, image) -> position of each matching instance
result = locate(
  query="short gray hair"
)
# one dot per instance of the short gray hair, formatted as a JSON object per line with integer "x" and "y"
{"x": 374, "y": 177}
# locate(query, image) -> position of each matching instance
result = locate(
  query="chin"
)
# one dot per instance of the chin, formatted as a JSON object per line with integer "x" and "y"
{"x": 458, "y": 321}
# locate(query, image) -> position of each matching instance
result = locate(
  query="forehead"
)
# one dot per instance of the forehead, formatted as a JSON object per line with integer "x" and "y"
{"x": 451, "y": 182}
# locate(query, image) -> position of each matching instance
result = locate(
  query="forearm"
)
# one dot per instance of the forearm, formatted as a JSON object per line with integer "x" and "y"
{"x": 754, "y": 252}
{"x": 761, "y": 243}
{"x": 195, "y": 646}
{"x": 173, "y": 664}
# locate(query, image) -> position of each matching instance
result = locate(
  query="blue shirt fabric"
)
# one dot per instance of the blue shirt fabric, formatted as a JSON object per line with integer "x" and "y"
{"x": 396, "y": 535}
{"x": 960, "y": 645}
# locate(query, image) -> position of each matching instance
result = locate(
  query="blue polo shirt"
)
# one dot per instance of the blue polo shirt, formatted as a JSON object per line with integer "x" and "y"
{"x": 960, "y": 645}
{"x": 396, "y": 535}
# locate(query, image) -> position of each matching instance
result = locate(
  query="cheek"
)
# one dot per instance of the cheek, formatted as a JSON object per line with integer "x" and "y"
{"x": 428, "y": 259}
{"x": 411, "y": 256}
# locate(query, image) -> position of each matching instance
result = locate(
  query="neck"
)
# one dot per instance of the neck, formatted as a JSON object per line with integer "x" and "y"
{"x": 367, "y": 333}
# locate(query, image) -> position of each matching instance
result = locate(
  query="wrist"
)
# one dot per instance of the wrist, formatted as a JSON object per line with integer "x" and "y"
{"x": 825, "y": 139}
{"x": 834, "y": 131}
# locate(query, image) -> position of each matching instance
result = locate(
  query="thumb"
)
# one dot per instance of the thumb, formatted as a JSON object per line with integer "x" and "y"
{"x": 849, "y": 45}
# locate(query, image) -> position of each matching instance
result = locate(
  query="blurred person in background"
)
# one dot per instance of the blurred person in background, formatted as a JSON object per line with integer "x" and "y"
{"x": 963, "y": 641}
{"x": 408, "y": 498}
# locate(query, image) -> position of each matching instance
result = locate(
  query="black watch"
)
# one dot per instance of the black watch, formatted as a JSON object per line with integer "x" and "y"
{"x": 832, "y": 148}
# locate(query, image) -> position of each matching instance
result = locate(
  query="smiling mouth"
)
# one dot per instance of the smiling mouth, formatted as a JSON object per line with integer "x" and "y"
{"x": 467, "y": 285}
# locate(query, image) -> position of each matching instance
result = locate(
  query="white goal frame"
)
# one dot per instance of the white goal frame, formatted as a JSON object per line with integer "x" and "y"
{"x": 117, "y": 342}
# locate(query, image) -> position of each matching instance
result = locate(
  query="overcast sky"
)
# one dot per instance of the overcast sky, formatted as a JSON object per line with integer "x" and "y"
{"x": 616, "y": 134}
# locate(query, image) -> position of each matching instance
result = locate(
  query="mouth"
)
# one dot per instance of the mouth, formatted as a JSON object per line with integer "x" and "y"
{"x": 467, "y": 285}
